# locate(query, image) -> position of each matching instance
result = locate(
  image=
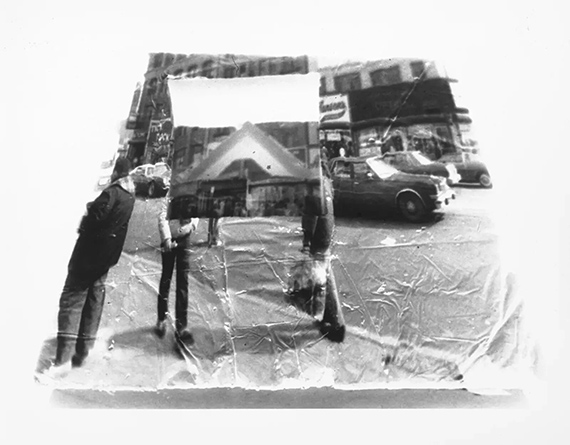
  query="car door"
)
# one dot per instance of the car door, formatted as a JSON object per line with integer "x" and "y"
{"x": 368, "y": 189}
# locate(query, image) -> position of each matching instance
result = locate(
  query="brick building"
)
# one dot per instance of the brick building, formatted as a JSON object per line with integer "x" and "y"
{"x": 399, "y": 104}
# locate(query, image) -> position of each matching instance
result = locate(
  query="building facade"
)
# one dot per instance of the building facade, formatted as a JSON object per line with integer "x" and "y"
{"x": 151, "y": 120}
{"x": 392, "y": 104}
{"x": 366, "y": 107}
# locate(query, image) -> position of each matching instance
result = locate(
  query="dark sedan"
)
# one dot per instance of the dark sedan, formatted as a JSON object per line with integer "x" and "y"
{"x": 470, "y": 167}
{"x": 415, "y": 162}
{"x": 369, "y": 185}
{"x": 151, "y": 180}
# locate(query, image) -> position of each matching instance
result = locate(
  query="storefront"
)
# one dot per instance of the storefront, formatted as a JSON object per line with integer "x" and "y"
{"x": 408, "y": 116}
{"x": 335, "y": 125}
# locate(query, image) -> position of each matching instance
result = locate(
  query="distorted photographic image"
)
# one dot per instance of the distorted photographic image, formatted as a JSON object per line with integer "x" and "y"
{"x": 277, "y": 222}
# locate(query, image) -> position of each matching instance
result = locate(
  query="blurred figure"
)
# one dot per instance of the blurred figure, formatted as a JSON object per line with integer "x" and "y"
{"x": 102, "y": 234}
{"x": 313, "y": 280}
{"x": 175, "y": 243}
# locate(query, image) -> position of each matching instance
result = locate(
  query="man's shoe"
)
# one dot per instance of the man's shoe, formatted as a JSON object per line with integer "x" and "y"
{"x": 53, "y": 373}
{"x": 77, "y": 360}
{"x": 160, "y": 328}
{"x": 333, "y": 333}
{"x": 185, "y": 336}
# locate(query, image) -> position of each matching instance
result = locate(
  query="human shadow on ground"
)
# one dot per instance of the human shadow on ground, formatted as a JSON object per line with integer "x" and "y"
{"x": 211, "y": 343}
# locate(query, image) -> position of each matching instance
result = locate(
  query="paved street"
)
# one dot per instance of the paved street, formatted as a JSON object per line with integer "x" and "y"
{"x": 421, "y": 302}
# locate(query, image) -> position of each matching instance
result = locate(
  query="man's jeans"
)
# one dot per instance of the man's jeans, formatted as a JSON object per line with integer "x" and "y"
{"x": 181, "y": 256}
{"x": 80, "y": 309}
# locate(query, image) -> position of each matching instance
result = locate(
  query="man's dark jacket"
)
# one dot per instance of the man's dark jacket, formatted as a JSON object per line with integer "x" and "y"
{"x": 103, "y": 231}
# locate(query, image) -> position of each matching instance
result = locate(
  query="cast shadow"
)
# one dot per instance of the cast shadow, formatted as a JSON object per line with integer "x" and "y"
{"x": 212, "y": 344}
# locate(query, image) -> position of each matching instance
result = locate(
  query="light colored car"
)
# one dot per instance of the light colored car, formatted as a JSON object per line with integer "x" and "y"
{"x": 151, "y": 179}
{"x": 470, "y": 166}
{"x": 415, "y": 162}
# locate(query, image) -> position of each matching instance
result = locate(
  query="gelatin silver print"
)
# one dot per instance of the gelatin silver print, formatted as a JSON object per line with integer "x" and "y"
{"x": 275, "y": 222}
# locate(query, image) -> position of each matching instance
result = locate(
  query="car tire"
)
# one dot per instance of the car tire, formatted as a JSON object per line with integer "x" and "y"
{"x": 151, "y": 190}
{"x": 412, "y": 207}
{"x": 485, "y": 180}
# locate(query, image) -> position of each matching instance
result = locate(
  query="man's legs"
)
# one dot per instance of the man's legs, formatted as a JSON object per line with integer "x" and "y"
{"x": 333, "y": 325}
{"x": 168, "y": 259}
{"x": 71, "y": 305}
{"x": 182, "y": 270}
{"x": 90, "y": 320}
{"x": 309, "y": 224}
{"x": 213, "y": 232}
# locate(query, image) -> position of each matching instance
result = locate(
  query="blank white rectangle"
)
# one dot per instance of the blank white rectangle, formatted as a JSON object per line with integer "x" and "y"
{"x": 201, "y": 102}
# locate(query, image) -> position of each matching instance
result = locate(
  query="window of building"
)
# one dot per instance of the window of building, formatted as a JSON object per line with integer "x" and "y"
{"x": 418, "y": 69}
{"x": 288, "y": 134}
{"x": 347, "y": 82}
{"x": 323, "y": 87}
{"x": 230, "y": 71}
{"x": 152, "y": 86}
{"x": 288, "y": 65}
{"x": 192, "y": 70}
{"x": 273, "y": 66}
{"x": 208, "y": 69}
{"x": 252, "y": 69}
{"x": 157, "y": 60}
{"x": 386, "y": 76}
{"x": 168, "y": 59}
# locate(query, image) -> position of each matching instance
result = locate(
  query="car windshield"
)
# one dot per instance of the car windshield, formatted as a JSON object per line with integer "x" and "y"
{"x": 379, "y": 167}
{"x": 419, "y": 158}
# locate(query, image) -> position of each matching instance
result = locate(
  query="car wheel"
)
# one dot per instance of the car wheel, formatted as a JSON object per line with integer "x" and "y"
{"x": 485, "y": 180}
{"x": 412, "y": 207}
{"x": 151, "y": 190}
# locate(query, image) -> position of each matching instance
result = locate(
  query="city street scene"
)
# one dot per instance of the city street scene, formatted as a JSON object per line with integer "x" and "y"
{"x": 292, "y": 226}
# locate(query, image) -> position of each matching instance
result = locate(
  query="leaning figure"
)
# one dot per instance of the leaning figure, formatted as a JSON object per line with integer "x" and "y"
{"x": 102, "y": 234}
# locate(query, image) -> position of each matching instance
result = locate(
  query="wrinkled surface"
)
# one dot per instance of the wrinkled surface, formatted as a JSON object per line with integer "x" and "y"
{"x": 423, "y": 305}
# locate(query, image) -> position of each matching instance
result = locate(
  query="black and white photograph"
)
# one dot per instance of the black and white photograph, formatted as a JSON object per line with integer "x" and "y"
{"x": 331, "y": 206}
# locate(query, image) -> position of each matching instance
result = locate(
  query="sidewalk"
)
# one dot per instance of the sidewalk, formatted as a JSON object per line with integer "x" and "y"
{"x": 414, "y": 318}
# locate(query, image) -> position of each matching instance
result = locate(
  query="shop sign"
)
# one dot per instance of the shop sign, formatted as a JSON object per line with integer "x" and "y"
{"x": 159, "y": 135}
{"x": 334, "y": 108}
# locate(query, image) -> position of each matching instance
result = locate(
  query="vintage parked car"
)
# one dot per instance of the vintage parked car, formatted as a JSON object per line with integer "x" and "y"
{"x": 151, "y": 180}
{"x": 470, "y": 167}
{"x": 369, "y": 185}
{"x": 415, "y": 162}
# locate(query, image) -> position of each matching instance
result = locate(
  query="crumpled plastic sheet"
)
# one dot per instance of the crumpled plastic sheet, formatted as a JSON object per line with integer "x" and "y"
{"x": 422, "y": 307}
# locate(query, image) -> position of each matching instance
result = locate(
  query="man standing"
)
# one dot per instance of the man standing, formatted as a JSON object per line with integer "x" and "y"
{"x": 102, "y": 234}
{"x": 175, "y": 242}
{"x": 318, "y": 278}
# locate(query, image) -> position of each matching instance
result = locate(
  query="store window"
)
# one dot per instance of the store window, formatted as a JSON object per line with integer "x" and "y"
{"x": 386, "y": 76}
{"x": 418, "y": 69}
{"x": 347, "y": 82}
